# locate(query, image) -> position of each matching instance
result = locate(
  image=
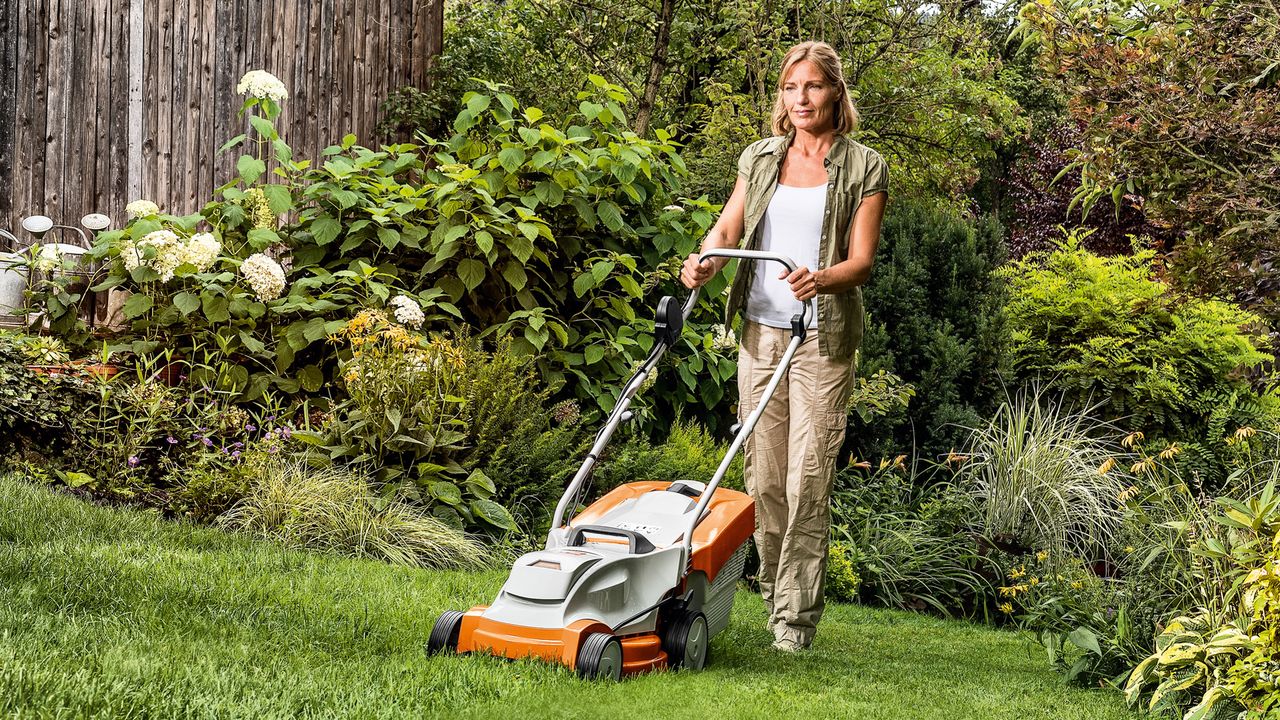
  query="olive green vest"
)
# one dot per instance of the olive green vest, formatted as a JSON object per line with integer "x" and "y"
{"x": 854, "y": 171}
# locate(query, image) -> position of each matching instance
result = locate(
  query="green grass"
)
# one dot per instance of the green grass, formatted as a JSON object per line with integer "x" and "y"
{"x": 110, "y": 613}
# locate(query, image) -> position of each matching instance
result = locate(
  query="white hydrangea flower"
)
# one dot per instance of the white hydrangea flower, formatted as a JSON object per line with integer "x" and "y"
{"x": 262, "y": 85}
{"x": 407, "y": 311}
{"x": 201, "y": 251}
{"x": 264, "y": 275}
{"x": 48, "y": 258}
{"x": 673, "y": 208}
{"x": 168, "y": 253}
{"x": 141, "y": 208}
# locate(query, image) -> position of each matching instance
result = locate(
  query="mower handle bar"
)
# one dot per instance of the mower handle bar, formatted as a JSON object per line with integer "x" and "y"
{"x": 620, "y": 412}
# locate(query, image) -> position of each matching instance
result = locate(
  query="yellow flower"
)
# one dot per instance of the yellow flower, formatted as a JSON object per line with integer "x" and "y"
{"x": 1127, "y": 493}
{"x": 1076, "y": 585}
{"x": 1129, "y": 548}
{"x": 1245, "y": 432}
{"x": 1170, "y": 452}
{"x": 1034, "y": 581}
{"x": 1006, "y": 608}
{"x": 1106, "y": 466}
{"x": 1132, "y": 439}
{"x": 1042, "y": 555}
{"x": 1017, "y": 572}
{"x": 899, "y": 462}
{"x": 1141, "y": 466}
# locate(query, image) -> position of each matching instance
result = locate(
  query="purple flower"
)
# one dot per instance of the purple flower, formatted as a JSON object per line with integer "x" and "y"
{"x": 171, "y": 440}
{"x": 286, "y": 433}
{"x": 250, "y": 428}
{"x": 271, "y": 418}
{"x": 235, "y": 454}
{"x": 133, "y": 461}
{"x": 207, "y": 442}
{"x": 237, "y": 445}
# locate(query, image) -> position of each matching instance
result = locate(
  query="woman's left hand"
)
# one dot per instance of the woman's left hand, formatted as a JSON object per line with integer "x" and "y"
{"x": 804, "y": 284}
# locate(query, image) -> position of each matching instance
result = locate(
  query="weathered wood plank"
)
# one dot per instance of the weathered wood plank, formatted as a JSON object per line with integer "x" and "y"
{"x": 33, "y": 144}
{"x": 57, "y": 109}
{"x": 203, "y": 101}
{"x": 149, "y": 102}
{"x": 9, "y": 10}
{"x": 162, "y": 66}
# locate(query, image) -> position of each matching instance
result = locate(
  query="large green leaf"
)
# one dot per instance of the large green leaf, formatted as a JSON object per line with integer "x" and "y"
{"x": 446, "y": 492}
{"x": 493, "y": 513}
{"x": 250, "y": 168}
{"x": 186, "y": 302}
{"x": 471, "y": 273}
{"x": 1085, "y": 639}
{"x": 136, "y": 305}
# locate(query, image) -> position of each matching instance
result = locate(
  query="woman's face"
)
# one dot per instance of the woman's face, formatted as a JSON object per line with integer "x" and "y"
{"x": 809, "y": 98}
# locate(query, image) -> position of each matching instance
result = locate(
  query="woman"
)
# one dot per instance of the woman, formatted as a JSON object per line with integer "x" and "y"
{"x": 813, "y": 194}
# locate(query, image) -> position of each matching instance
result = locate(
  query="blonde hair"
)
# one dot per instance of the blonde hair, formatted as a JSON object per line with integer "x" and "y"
{"x": 827, "y": 61}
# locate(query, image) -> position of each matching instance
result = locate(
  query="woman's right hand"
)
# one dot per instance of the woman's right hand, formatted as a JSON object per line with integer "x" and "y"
{"x": 694, "y": 273}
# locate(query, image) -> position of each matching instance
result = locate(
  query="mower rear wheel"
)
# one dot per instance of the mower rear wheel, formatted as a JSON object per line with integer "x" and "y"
{"x": 600, "y": 657}
{"x": 444, "y": 634}
{"x": 687, "y": 641}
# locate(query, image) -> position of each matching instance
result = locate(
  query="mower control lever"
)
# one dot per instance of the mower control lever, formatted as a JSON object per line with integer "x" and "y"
{"x": 637, "y": 543}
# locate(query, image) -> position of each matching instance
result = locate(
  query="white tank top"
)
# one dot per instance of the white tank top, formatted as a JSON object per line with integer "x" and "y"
{"x": 792, "y": 226}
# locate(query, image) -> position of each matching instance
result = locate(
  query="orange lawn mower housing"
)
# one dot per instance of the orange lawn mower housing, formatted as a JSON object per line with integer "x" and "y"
{"x": 644, "y": 577}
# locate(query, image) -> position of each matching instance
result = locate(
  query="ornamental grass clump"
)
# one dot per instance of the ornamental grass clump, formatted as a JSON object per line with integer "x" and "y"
{"x": 333, "y": 510}
{"x": 1045, "y": 477}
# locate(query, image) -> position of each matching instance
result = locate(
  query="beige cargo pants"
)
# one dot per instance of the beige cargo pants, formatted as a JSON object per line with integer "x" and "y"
{"x": 790, "y": 467}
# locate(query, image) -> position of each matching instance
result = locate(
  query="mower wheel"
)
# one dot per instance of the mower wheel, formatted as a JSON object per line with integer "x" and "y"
{"x": 687, "y": 641}
{"x": 600, "y": 657}
{"x": 444, "y": 634}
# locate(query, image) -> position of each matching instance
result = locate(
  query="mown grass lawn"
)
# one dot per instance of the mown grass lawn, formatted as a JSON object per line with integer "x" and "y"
{"x": 109, "y": 613}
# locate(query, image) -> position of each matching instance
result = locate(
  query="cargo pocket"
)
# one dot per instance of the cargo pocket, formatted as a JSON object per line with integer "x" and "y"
{"x": 837, "y": 424}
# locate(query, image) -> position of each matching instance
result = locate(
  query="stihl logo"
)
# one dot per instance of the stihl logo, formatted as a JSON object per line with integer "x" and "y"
{"x": 646, "y": 529}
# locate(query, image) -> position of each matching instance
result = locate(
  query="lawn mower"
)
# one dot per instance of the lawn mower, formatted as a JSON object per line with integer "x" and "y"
{"x": 644, "y": 577}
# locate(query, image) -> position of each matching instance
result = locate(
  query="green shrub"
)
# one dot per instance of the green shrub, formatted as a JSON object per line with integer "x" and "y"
{"x": 532, "y": 466}
{"x": 559, "y": 232}
{"x": 35, "y": 409}
{"x": 413, "y": 409}
{"x": 1107, "y": 331}
{"x": 842, "y": 579}
{"x": 1221, "y": 657}
{"x": 934, "y": 321}
{"x": 333, "y": 510}
{"x": 688, "y": 453}
{"x": 904, "y": 536}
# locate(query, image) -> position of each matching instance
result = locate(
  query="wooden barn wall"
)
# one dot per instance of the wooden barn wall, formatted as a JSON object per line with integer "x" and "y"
{"x": 107, "y": 101}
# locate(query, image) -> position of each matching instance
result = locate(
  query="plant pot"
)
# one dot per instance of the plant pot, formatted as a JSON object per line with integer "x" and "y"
{"x": 77, "y": 367}
{"x": 13, "y": 283}
{"x": 61, "y": 369}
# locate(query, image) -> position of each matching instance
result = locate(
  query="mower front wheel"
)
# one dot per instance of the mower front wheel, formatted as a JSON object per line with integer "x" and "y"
{"x": 600, "y": 657}
{"x": 444, "y": 634}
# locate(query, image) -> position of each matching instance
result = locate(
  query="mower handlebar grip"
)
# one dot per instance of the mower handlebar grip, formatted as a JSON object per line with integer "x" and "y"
{"x": 637, "y": 543}
{"x": 757, "y": 255}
